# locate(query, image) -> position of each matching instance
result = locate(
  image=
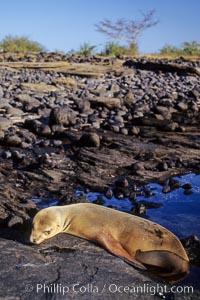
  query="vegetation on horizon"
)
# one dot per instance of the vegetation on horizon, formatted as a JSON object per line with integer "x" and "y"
{"x": 187, "y": 49}
{"x": 20, "y": 44}
{"x": 114, "y": 49}
{"x": 86, "y": 49}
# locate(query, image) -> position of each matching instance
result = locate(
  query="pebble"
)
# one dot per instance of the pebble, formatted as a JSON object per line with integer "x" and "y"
{"x": 18, "y": 155}
{"x": 12, "y": 140}
{"x": 118, "y": 119}
{"x": 62, "y": 116}
{"x": 115, "y": 128}
{"x": 57, "y": 143}
{"x": 4, "y": 123}
{"x": 132, "y": 197}
{"x": 25, "y": 145}
{"x": 2, "y": 134}
{"x": 174, "y": 184}
{"x": 1, "y": 92}
{"x": 139, "y": 166}
{"x": 109, "y": 193}
{"x": 124, "y": 131}
{"x": 96, "y": 125}
{"x": 119, "y": 195}
{"x": 192, "y": 246}
{"x": 166, "y": 189}
{"x": 83, "y": 105}
{"x": 26, "y": 99}
{"x": 57, "y": 128}
{"x": 44, "y": 130}
{"x": 14, "y": 111}
{"x": 139, "y": 209}
{"x": 45, "y": 143}
{"x": 89, "y": 140}
{"x": 6, "y": 154}
{"x": 187, "y": 186}
{"x": 135, "y": 130}
{"x": 122, "y": 182}
{"x": 4, "y": 103}
{"x": 182, "y": 106}
{"x": 163, "y": 166}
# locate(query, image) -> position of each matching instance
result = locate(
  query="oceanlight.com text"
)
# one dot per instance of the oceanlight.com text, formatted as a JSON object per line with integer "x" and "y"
{"x": 112, "y": 288}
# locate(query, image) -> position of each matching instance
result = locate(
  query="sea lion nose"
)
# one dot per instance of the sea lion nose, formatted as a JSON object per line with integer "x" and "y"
{"x": 32, "y": 240}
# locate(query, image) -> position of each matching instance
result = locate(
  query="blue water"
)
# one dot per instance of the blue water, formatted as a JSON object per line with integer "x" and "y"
{"x": 121, "y": 204}
{"x": 45, "y": 202}
{"x": 180, "y": 213}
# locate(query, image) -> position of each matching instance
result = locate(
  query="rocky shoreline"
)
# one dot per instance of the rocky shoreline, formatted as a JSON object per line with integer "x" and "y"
{"x": 69, "y": 123}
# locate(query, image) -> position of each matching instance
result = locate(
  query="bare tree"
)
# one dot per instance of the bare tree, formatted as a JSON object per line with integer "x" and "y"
{"x": 127, "y": 30}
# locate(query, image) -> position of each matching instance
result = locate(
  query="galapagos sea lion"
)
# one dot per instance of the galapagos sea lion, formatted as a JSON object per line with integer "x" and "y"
{"x": 138, "y": 241}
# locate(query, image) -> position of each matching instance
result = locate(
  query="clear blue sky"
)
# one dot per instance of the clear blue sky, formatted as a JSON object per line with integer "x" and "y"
{"x": 66, "y": 24}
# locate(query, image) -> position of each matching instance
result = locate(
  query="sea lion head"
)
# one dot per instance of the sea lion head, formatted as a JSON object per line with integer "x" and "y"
{"x": 46, "y": 224}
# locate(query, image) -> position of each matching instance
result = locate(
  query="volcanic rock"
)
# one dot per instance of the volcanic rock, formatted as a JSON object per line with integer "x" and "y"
{"x": 89, "y": 140}
{"x": 4, "y": 123}
{"x": 62, "y": 116}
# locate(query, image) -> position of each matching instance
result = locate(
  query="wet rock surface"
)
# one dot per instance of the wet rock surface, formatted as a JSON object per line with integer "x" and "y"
{"x": 65, "y": 127}
{"x": 192, "y": 244}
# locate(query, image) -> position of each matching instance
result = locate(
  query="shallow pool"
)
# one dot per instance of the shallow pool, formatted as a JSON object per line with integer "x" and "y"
{"x": 179, "y": 213}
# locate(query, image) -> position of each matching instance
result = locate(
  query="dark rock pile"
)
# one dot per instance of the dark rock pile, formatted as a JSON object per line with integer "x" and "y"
{"x": 61, "y": 56}
{"x": 90, "y": 130}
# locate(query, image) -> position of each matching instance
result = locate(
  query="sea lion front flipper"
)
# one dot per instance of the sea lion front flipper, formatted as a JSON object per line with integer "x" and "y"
{"x": 114, "y": 247}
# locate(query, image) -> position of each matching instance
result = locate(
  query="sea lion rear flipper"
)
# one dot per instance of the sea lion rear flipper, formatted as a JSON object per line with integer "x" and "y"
{"x": 168, "y": 262}
{"x": 114, "y": 247}
{"x": 133, "y": 262}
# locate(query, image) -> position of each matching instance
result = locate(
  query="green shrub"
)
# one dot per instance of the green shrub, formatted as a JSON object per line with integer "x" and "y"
{"x": 85, "y": 49}
{"x": 192, "y": 48}
{"x": 20, "y": 44}
{"x": 187, "y": 49}
{"x": 113, "y": 49}
{"x": 169, "y": 50}
{"x": 132, "y": 50}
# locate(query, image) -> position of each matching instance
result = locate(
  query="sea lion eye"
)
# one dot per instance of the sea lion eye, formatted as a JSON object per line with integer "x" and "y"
{"x": 47, "y": 232}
